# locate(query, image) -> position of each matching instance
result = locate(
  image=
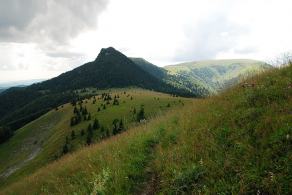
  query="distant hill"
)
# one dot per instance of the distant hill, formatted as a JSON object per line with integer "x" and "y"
{"x": 21, "y": 83}
{"x": 204, "y": 77}
{"x": 215, "y": 75}
{"x": 177, "y": 80}
{"x": 2, "y": 89}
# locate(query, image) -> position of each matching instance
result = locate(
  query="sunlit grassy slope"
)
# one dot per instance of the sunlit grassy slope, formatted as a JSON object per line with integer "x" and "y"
{"x": 216, "y": 75}
{"x": 238, "y": 142}
{"x": 42, "y": 140}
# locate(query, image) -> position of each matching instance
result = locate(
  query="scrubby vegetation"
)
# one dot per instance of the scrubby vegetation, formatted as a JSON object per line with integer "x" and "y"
{"x": 238, "y": 142}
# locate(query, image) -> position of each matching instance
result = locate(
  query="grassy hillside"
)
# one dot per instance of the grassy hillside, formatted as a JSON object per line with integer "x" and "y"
{"x": 215, "y": 75}
{"x": 111, "y": 69}
{"x": 238, "y": 142}
{"x": 179, "y": 81}
{"x": 43, "y": 140}
{"x": 154, "y": 70}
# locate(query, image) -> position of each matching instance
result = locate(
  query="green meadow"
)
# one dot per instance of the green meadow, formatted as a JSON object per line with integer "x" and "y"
{"x": 237, "y": 142}
{"x": 42, "y": 141}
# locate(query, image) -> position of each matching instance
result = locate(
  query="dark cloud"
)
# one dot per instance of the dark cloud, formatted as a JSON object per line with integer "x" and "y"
{"x": 212, "y": 35}
{"x": 17, "y": 14}
{"x": 47, "y": 21}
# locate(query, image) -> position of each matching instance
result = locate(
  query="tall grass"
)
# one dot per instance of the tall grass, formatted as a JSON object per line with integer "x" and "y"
{"x": 238, "y": 142}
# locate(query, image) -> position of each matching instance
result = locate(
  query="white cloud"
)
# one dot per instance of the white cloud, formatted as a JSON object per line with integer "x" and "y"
{"x": 161, "y": 31}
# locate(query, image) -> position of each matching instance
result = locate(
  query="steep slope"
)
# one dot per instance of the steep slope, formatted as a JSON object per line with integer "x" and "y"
{"x": 180, "y": 81}
{"x": 110, "y": 69}
{"x": 238, "y": 142}
{"x": 216, "y": 75}
{"x": 43, "y": 140}
{"x": 154, "y": 70}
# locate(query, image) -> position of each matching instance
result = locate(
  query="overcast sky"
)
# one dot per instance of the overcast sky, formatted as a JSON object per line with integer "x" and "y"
{"x": 43, "y": 38}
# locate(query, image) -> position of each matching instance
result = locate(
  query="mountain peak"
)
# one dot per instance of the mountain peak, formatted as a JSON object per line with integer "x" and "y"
{"x": 108, "y": 52}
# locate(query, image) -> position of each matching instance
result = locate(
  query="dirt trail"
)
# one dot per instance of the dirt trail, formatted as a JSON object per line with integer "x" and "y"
{"x": 150, "y": 186}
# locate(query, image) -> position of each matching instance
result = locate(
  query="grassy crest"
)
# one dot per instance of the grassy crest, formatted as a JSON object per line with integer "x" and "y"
{"x": 42, "y": 140}
{"x": 238, "y": 142}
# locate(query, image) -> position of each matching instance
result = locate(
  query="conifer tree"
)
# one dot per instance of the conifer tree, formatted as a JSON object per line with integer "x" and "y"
{"x": 73, "y": 134}
{"x": 66, "y": 146}
{"x": 89, "y": 117}
{"x": 82, "y": 132}
{"x": 89, "y": 134}
{"x": 72, "y": 121}
{"x": 75, "y": 110}
{"x": 141, "y": 114}
{"x": 96, "y": 124}
{"x": 115, "y": 127}
{"x": 121, "y": 126}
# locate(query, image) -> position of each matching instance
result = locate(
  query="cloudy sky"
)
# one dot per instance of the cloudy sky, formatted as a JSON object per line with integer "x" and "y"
{"x": 43, "y": 38}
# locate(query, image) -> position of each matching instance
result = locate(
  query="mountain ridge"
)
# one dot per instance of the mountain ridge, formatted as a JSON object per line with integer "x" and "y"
{"x": 110, "y": 69}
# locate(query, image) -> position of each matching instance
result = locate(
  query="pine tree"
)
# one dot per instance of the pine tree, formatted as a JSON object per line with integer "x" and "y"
{"x": 65, "y": 149}
{"x": 75, "y": 110}
{"x": 89, "y": 139}
{"x": 89, "y": 135}
{"x": 73, "y": 134}
{"x": 66, "y": 146}
{"x": 121, "y": 126}
{"x": 89, "y": 128}
{"x": 84, "y": 111}
{"x": 89, "y": 117}
{"x": 102, "y": 131}
{"x": 96, "y": 124}
{"x": 116, "y": 102}
{"x": 78, "y": 118}
{"x": 115, "y": 127}
{"x": 141, "y": 114}
{"x": 107, "y": 132}
{"x": 73, "y": 121}
{"x": 82, "y": 132}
